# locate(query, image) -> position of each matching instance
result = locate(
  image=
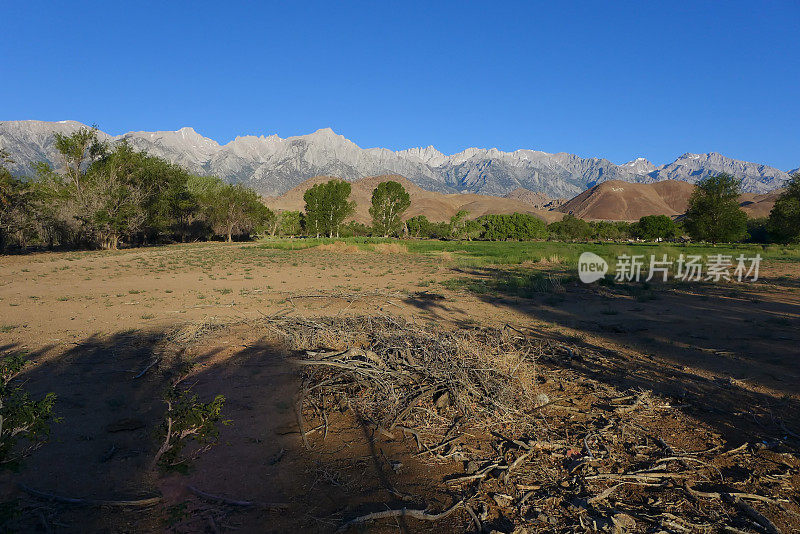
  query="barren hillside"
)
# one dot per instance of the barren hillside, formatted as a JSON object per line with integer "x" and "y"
{"x": 623, "y": 201}
{"x": 435, "y": 206}
{"x": 537, "y": 199}
{"x": 759, "y": 205}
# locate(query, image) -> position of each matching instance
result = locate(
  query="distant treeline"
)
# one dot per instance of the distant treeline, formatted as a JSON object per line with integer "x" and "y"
{"x": 108, "y": 196}
{"x": 714, "y": 215}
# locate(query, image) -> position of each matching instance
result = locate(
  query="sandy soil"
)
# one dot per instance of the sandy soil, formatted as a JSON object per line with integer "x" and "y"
{"x": 92, "y": 321}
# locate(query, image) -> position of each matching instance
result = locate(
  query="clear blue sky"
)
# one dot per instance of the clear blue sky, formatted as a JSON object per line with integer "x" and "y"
{"x": 608, "y": 79}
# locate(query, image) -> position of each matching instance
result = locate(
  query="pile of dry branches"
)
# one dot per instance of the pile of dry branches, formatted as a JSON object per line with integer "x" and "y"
{"x": 388, "y": 371}
{"x": 565, "y": 451}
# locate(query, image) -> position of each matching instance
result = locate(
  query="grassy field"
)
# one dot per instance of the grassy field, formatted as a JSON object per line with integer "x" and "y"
{"x": 477, "y": 253}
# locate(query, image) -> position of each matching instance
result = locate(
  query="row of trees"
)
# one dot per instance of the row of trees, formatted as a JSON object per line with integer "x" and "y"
{"x": 713, "y": 215}
{"x": 327, "y": 205}
{"x": 109, "y": 195}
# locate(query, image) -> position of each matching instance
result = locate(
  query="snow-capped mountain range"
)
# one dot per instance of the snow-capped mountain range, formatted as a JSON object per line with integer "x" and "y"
{"x": 272, "y": 165}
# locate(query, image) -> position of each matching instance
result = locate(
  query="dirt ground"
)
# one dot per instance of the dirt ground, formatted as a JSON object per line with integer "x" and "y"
{"x": 726, "y": 355}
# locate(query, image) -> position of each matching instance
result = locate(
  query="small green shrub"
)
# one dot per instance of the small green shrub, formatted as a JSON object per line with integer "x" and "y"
{"x": 187, "y": 419}
{"x": 21, "y": 418}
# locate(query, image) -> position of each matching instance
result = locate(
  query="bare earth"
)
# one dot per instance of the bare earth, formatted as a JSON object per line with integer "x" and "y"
{"x": 725, "y": 356}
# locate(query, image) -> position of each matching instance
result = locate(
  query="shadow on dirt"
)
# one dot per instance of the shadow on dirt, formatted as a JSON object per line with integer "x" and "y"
{"x": 111, "y": 409}
{"x": 726, "y": 353}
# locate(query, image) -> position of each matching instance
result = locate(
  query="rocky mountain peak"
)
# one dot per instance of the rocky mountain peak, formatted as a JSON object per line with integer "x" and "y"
{"x": 272, "y": 165}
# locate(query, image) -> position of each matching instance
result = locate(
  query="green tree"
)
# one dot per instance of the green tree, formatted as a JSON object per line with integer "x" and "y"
{"x": 107, "y": 195}
{"x": 758, "y": 230}
{"x": 784, "y": 219}
{"x": 517, "y": 226}
{"x": 418, "y": 226}
{"x": 611, "y": 230}
{"x": 63, "y": 208}
{"x": 653, "y": 227}
{"x": 290, "y": 223}
{"x": 714, "y": 214}
{"x": 115, "y": 197}
{"x": 327, "y": 206}
{"x": 77, "y": 151}
{"x": 237, "y": 211}
{"x": 14, "y": 207}
{"x": 473, "y": 229}
{"x": 570, "y": 228}
{"x": 389, "y": 201}
{"x": 8, "y": 188}
{"x": 21, "y": 417}
{"x": 7, "y": 181}
{"x": 272, "y": 224}
{"x": 356, "y": 229}
{"x": 458, "y": 224}
{"x": 228, "y": 210}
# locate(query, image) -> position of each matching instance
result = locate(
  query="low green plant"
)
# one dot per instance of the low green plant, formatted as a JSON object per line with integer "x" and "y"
{"x": 187, "y": 419}
{"x": 21, "y": 417}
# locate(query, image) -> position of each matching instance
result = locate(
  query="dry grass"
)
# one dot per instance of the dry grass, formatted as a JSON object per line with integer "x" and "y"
{"x": 390, "y": 248}
{"x": 445, "y": 257}
{"x": 338, "y": 246}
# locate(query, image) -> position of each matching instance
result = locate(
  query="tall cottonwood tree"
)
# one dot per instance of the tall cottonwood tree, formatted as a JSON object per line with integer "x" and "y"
{"x": 389, "y": 201}
{"x": 714, "y": 213}
{"x": 458, "y": 224}
{"x": 784, "y": 218}
{"x": 11, "y": 197}
{"x": 231, "y": 210}
{"x": 116, "y": 195}
{"x": 78, "y": 150}
{"x": 7, "y": 181}
{"x": 327, "y": 206}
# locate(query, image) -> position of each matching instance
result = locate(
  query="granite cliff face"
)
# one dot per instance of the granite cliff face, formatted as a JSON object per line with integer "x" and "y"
{"x": 273, "y": 165}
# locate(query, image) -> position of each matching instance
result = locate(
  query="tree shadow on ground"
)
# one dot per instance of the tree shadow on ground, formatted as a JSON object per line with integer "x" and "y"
{"x": 111, "y": 409}
{"x": 727, "y": 354}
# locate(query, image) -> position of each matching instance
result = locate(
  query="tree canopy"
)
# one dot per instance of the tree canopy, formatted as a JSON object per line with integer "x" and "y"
{"x": 327, "y": 206}
{"x": 784, "y": 219}
{"x": 517, "y": 226}
{"x": 108, "y": 195}
{"x": 389, "y": 202}
{"x": 714, "y": 214}
{"x": 652, "y": 227}
{"x": 571, "y": 228}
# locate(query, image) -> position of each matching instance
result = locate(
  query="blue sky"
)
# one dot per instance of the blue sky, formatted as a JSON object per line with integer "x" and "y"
{"x": 607, "y": 79}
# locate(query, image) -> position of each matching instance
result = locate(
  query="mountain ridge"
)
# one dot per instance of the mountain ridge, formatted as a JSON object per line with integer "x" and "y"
{"x": 273, "y": 165}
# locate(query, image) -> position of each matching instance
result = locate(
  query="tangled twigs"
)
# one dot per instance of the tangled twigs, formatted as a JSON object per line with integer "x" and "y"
{"x": 751, "y": 512}
{"x": 526, "y": 424}
{"x": 473, "y": 372}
